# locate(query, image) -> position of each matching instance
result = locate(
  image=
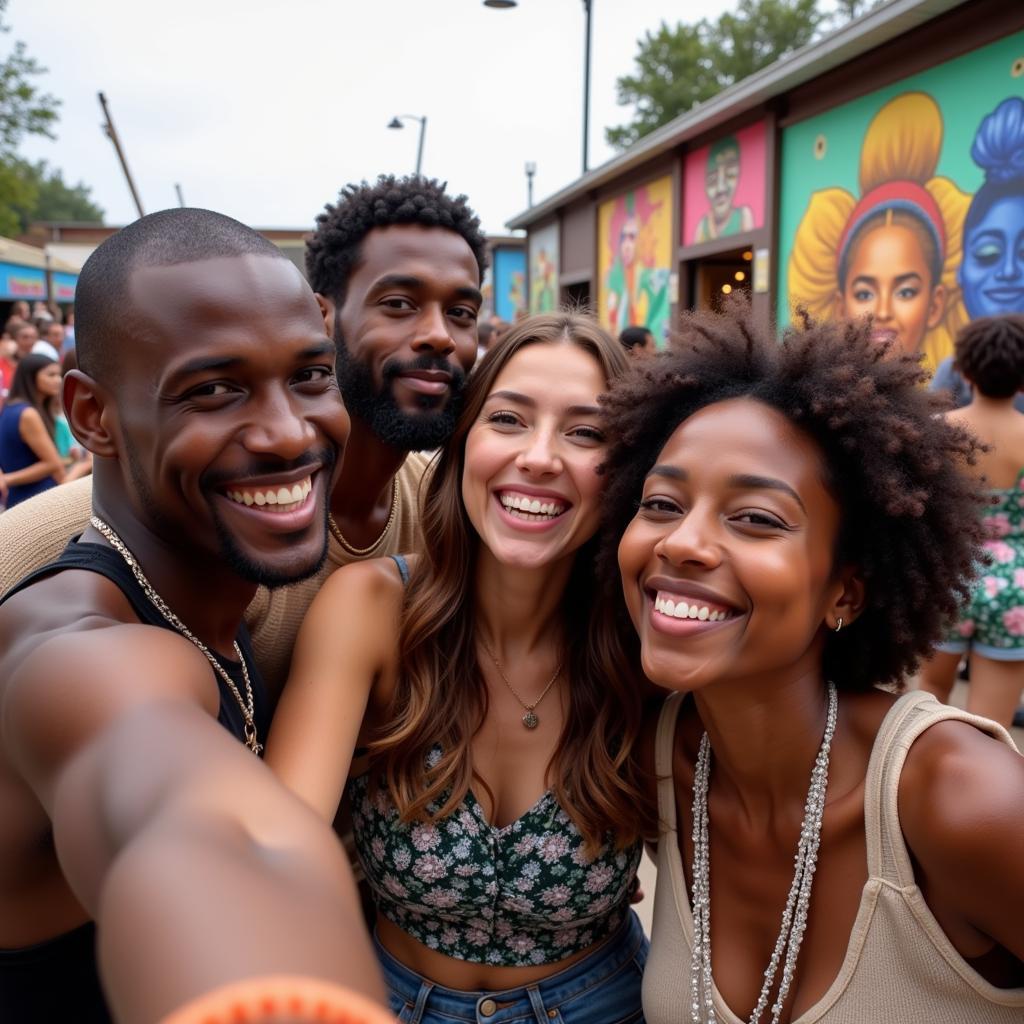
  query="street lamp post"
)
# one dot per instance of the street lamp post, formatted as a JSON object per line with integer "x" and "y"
{"x": 531, "y": 170}
{"x": 587, "y": 5}
{"x": 396, "y": 122}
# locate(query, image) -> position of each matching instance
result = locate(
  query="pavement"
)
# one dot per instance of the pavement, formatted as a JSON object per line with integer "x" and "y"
{"x": 648, "y": 872}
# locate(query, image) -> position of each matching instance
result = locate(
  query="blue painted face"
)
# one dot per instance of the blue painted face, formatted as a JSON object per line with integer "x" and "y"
{"x": 992, "y": 271}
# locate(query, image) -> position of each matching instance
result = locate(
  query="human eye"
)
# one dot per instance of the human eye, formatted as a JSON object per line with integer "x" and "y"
{"x": 211, "y": 389}
{"x": 316, "y": 375}
{"x": 587, "y": 434}
{"x": 659, "y": 507}
{"x": 907, "y": 292}
{"x": 759, "y": 519}
{"x": 464, "y": 313}
{"x": 397, "y": 302}
{"x": 863, "y": 294}
{"x": 503, "y": 418}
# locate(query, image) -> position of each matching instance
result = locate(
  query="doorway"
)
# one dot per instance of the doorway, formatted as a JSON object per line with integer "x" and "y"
{"x": 724, "y": 274}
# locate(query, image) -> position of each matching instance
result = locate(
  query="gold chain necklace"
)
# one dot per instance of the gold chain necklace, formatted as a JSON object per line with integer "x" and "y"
{"x": 247, "y": 706}
{"x": 530, "y": 719}
{"x": 360, "y": 552}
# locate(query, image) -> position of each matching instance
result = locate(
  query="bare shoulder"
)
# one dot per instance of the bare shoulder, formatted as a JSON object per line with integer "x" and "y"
{"x": 960, "y": 799}
{"x": 375, "y": 580}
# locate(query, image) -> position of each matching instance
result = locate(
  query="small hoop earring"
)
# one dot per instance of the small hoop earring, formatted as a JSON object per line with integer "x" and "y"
{"x": 839, "y": 624}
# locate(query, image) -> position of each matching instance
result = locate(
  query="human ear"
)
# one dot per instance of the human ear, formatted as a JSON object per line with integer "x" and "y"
{"x": 88, "y": 414}
{"x": 327, "y": 312}
{"x": 848, "y": 600}
{"x": 936, "y": 306}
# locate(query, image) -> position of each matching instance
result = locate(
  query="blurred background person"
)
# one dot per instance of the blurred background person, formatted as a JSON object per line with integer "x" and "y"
{"x": 28, "y": 451}
{"x": 990, "y": 356}
{"x": 638, "y": 341}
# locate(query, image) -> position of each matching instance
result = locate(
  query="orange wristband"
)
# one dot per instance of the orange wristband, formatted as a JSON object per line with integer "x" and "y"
{"x": 280, "y": 998}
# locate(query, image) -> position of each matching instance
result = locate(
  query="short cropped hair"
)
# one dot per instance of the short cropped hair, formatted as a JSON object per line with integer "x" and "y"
{"x": 161, "y": 239}
{"x": 333, "y": 251}
{"x": 909, "y": 514}
{"x": 633, "y": 337}
{"x": 990, "y": 354}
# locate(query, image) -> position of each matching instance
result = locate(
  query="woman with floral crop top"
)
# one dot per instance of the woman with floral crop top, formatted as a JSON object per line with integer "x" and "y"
{"x": 499, "y": 817}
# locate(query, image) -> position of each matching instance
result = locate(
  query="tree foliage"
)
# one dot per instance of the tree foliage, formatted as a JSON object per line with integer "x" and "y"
{"x": 679, "y": 67}
{"x": 31, "y": 191}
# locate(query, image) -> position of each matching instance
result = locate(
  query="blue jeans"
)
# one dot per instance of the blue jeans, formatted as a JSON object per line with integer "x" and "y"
{"x": 602, "y": 988}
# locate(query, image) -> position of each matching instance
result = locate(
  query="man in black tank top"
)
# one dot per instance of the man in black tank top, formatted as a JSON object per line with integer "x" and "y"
{"x": 131, "y": 712}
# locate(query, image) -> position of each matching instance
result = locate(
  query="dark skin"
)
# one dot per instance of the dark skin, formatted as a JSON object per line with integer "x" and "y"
{"x": 123, "y": 800}
{"x": 736, "y": 515}
{"x": 415, "y": 291}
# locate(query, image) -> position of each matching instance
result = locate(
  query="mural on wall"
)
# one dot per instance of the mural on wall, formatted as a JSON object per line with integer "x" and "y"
{"x": 724, "y": 186}
{"x": 634, "y": 232}
{"x": 930, "y": 233}
{"x": 509, "y": 277}
{"x": 544, "y": 269}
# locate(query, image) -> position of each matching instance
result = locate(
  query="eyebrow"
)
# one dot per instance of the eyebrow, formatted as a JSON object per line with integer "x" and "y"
{"x": 519, "y": 399}
{"x": 874, "y": 280}
{"x": 740, "y": 481}
{"x": 409, "y": 282}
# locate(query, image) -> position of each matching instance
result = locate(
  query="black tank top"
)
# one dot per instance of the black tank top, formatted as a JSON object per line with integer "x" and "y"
{"x": 57, "y": 980}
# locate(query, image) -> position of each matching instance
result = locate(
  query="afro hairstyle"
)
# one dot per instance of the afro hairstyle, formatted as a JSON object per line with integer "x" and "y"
{"x": 909, "y": 514}
{"x": 990, "y": 354}
{"x": 332, "y": 251}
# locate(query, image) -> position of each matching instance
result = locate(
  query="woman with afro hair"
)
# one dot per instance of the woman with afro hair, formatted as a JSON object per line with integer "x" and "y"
{"x": 990, "y": 355}
{"x": 796, "y": 530}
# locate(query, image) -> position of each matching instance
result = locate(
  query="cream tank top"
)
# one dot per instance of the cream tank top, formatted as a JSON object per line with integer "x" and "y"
{"x": 899, "y": 966}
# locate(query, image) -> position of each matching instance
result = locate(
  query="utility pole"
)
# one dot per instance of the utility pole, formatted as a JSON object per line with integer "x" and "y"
{"x": 111, "y": 133}
{"x": 531, "y": 170}
{"x": 181, "y": 198}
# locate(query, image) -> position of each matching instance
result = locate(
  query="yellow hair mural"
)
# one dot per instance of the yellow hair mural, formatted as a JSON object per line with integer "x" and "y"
{"x": 902, "y": 236}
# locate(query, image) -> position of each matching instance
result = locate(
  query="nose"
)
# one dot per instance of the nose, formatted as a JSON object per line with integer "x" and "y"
{"x": 691, "y": 542}
{"x": 539, "y": 455}
{"x": 1010, "y": 268}
{"x": 883, "y": 306}
{"x": 279, "y": 427}
{"x": 433, "y": 336}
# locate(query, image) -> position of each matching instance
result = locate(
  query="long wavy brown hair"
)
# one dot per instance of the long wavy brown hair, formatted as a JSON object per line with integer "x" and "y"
{"x": 441, "y": 697}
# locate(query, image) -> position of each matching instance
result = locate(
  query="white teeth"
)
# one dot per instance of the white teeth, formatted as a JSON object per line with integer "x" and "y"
{"x": 530, "y": 506}
{"x": 259, "y": 498}
{"x": 284, "y": 496}
{"x": 669, "y": 608}
{"x": 298, "y": 493}
{"x": 247, "y": 498}
{"x": 274, "y": 496}
{"x": 681, "y": 610}
{"x": 703, "y": 614}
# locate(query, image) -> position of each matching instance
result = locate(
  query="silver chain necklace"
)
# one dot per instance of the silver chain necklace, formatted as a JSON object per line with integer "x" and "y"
{"x": 529, "y": 719}
{"x": 794, "y": 917}
{"x": 247, "y": 706}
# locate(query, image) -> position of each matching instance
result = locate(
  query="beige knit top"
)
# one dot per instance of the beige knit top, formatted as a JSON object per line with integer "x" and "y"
{"x": 36, "y": 531}
{"x": 899, "y": 967}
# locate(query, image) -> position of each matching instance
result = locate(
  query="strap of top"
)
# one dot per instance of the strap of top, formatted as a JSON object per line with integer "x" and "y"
{"x": 910, "y": 716}
{"x": 663, "y": 743}
{"x": 403, "y": 567}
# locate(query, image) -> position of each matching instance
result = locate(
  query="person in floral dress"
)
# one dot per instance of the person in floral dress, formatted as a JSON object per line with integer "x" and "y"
{"x": 990, "y": 354}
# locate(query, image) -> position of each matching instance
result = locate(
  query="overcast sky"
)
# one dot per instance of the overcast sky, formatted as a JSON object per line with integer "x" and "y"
{"x": 263, "y": 109}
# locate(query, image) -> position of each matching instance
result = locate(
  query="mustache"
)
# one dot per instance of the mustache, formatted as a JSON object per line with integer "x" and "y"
{"x": 395, "y": 367}
{"x": 324, "y": 458}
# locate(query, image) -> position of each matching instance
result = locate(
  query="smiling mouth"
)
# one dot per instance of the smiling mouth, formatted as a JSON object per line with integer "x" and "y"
{"x": 280, "y": 499}
{"x": 674, "y": 607}
{"x": 427, "y": 382}
{"x": 880, "y": 334}
{"x": 1004, "y": 294}
{"x": 532, "y": 509}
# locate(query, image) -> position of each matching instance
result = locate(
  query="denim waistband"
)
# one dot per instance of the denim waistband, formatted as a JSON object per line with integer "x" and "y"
{"x": 537, "y": 1000}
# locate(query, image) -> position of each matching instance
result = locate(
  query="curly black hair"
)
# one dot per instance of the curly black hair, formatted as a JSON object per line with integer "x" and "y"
{"x": 333, "y": 249}
{"x": 990, "y": 354}
{"x": 909, "y": 514}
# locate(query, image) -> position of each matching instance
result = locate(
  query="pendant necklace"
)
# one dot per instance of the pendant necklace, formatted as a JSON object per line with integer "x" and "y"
{"x": 246, "y": 706}
{"x": 530, "y": 719}
{"x": 794, "y": 917}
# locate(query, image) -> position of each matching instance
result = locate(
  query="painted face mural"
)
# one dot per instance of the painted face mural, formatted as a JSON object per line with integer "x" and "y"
{"x": 992, "y": 272}
{"x": 907, "y": 205}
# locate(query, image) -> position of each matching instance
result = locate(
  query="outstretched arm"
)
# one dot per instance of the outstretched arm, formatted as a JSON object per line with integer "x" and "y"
{"x": 345, "y": 655}
{"x": 198, "y": 866}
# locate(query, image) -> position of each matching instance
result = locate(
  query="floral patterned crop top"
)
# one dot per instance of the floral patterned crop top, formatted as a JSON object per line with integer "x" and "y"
{"x": 521, "y": 895}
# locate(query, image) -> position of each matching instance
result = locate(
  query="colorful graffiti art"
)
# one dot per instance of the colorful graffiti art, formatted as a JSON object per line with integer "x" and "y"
{"x": 544, "y": 269}
{"x": 931, "y": 232}
{"x": 724, "y": 186}
{"x": 509, "y": 282}
{"x": 634, "y": 257}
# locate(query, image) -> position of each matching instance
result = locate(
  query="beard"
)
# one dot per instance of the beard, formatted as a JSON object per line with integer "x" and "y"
{"x": 242, "y": 563}
{"x": 420, "y": 431}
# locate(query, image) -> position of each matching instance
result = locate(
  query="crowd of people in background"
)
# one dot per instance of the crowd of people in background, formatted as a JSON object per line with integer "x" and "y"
{"x": 529, "y": 598}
